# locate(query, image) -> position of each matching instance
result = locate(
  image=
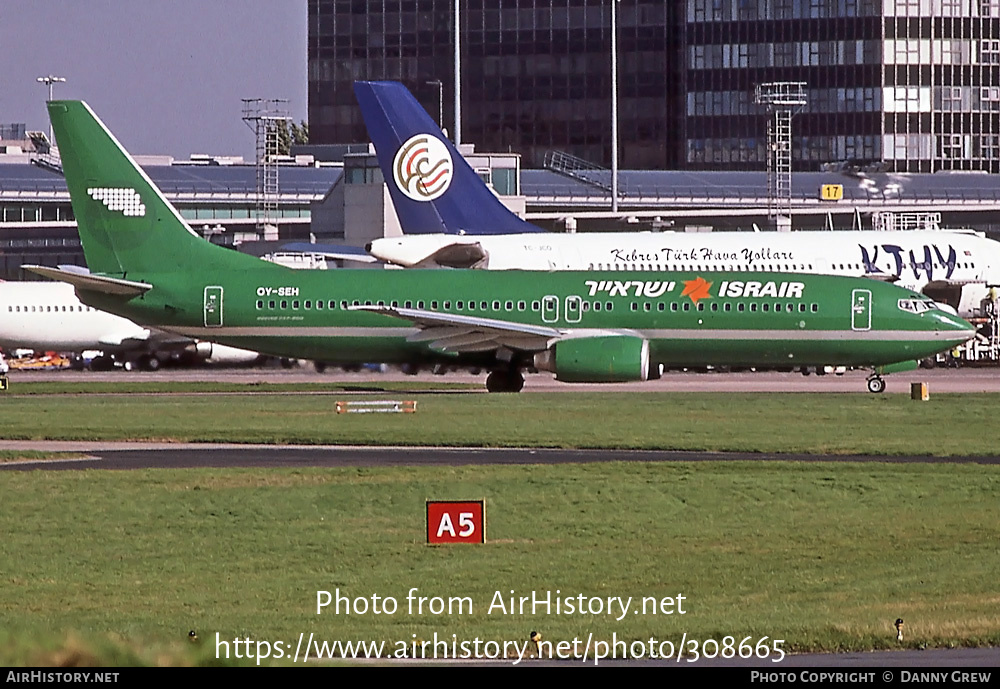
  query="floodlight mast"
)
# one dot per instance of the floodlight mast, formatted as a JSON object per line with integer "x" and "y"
{"x": 49, "y": 81}
{"x": 782, "y": 100}
{"x": 266, "y": 117}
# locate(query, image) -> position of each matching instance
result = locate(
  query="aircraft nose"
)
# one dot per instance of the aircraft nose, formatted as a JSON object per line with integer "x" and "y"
{"x": 959, "y": 326}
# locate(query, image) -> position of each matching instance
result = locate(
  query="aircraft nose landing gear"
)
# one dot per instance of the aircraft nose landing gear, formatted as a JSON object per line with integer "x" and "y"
{"x": 876, "y": 384}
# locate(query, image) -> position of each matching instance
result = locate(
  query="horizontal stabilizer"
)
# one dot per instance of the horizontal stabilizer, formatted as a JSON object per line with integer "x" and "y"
{"x": 81, "y": 279}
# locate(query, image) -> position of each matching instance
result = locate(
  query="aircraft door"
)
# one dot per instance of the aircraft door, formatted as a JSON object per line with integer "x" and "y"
{"x": 213, "y": 307}
{"x": 861, "y": 309}
{"x": 550, "y": 309}
{"x": 574, "y": 309}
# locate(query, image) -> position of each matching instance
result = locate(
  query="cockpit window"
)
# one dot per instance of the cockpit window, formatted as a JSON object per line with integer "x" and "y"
{"x": 917, "y": 305}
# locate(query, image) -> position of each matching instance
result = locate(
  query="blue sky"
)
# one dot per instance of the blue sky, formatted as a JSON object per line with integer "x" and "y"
{"x": 166, "y": 77}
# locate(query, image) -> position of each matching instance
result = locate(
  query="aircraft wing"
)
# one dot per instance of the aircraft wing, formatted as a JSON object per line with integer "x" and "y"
{"x": 123, "y": 341}
{"x": 953, "y": 283}
{"x": 344, "y": 253}
{"x": 886, "y": 277}
{"x": 883, "y": 277}
{"x": 158, "y": 340}
{"x": 83, "y": 279}
{"x": 449, "y": 332}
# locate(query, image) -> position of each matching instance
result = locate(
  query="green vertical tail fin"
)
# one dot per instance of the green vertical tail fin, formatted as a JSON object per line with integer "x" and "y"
{"x": 127, "y": 227}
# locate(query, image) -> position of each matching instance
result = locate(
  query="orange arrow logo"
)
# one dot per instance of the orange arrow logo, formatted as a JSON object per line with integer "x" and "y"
{"x": 697, "y": 289}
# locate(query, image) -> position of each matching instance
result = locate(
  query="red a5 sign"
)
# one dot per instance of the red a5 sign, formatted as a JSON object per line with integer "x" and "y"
{"x": 456, "y": 522}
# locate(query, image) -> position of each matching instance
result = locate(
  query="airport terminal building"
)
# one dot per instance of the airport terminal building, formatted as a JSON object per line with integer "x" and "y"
{"x": 348, "y": 203}
{"x": 218, "y": 199}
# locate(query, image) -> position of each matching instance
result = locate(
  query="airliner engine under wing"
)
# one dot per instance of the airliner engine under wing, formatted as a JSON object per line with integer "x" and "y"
{"x": 451, "y": 219}
{"x": 148, "y": 265}
{"x": 48, "y": 316}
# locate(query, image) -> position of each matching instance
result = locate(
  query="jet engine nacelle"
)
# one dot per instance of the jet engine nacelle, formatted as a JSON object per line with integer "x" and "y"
{"x": 602, "y": 359}
{"x": 222, "y": 354}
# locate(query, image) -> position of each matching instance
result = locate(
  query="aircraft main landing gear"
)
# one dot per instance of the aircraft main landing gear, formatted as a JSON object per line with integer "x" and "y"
{"x": 102, "y": 363}
{"x": 505, "y": 380}
{"x": 876, "y": 384}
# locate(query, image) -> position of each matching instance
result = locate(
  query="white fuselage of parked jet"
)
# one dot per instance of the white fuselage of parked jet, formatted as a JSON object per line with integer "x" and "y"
{"x": 48, "y": 316}
{"x": 951, "y": 266}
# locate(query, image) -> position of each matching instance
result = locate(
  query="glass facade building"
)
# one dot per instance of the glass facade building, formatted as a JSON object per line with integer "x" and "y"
{"x": 901, "y": 85}
{"x": 536, "y": 74}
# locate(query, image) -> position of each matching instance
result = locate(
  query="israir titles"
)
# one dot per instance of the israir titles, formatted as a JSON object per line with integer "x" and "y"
{"x": 655, "y": 288}
{"x": 752, "y": 288}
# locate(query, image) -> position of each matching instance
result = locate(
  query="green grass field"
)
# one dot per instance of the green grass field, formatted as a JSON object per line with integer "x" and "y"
{"x": 823, "y": 556}
{"x": 840, "y": 424}
{"x": 114, "y": 568}
{"x": 29, "y": 455}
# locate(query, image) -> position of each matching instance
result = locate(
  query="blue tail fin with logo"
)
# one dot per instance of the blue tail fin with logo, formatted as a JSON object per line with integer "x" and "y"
{"x": 433, "y": 188}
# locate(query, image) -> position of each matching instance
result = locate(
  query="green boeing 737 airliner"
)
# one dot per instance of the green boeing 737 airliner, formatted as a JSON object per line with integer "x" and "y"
{"x": 147, "y": 265}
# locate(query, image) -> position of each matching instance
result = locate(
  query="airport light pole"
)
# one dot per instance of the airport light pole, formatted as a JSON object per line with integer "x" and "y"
{"x": 437, "y": 82}
{"x": 458, "y": 76}
{"x": 49, "y": 80}
{"x": 614, "y": 106}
